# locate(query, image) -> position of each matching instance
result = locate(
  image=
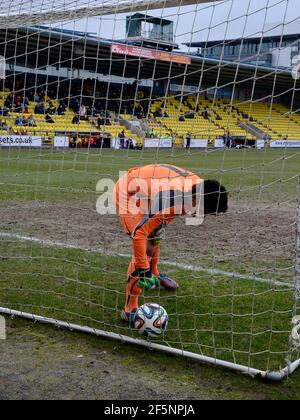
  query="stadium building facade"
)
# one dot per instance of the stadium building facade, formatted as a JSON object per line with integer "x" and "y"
{"x": 269, "y": 51}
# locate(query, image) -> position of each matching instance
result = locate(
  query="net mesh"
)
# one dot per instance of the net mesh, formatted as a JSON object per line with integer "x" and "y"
{"x": 206, "y": 87}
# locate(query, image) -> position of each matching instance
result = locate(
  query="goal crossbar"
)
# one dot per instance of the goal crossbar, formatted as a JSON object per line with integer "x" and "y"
{"x": 106, "y": 8}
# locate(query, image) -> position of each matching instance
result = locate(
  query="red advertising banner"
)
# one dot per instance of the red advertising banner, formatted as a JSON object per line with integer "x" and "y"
{"x": 133, "y": 51}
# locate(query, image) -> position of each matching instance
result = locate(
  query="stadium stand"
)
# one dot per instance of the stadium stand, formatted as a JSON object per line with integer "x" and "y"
{"x": 203, "y": 118}
{"x": 45, "y": 113}
{"x": 276, "y": 121}
{"x": 95, "y": 107}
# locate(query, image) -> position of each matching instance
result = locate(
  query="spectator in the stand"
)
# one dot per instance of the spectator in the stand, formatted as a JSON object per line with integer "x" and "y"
{"x": 37, "y": 98}
{"x": 47, "y": 98}
{"x": 91, "y": 141}
{"x": 19, "y": 121}
{"x": 99, "y": 142}
{"x": 122, "y": 139}
{"x": 74, "y": 104}
{"x": 105, "y": 114}
{"x": 23, "y": 132}
{"x": 95, "y": 112}
{"x": 87, "y": 97}
{"x": 206, "y": 113}
{"x": 224, "y": 137}
{"x": 190, "y": 115}
{"x": 61, "y": 109}
{"x": 227, "y": 139}
{"x": 76, "y": 119}
{"x": 31, "y": 122}
{"x": 39, "y": 109}
{"x": 79, "y": 142}
{"x": 89, "y": 113}
{"x": 129, "y": 144}
{"x": 51, "y": 110}
{"x": 140, "y": 115}
{"x": 9, "y": 101}
{"x": 151, "y": 133}
{"x": 158, "y": 114}
{"x": 72, "y": 142}
{"x": 3, "y": 125}
{"x": 18, "y": 103}
{"x": 82, "y": 112}
{"x": 48, "y": 119}
{"x": 100, "y": 122}
{"x": 24, "y": 122}
{"x": 4, "y": 112}
{"x": 188, "y": 140}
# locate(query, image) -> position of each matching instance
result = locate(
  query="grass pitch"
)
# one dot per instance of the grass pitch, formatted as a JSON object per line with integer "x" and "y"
{"x": 236, "y": 319}
{"x": 264, "y": 176}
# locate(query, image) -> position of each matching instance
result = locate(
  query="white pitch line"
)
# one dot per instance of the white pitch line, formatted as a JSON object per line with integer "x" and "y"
{"x": 211, "y": 271}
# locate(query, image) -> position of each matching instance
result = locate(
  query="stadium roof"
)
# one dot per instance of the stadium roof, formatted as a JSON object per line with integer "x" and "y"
{"x": 41, "y": 47}
{"x": 271, "y": 31}
{"x": 238, "y": 41}
{"x": 141, "y": 17}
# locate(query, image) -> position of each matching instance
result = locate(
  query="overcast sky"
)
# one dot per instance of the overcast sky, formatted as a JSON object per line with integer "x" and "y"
{"x": 210, "y": 21}
{"x": 218, "y": 20}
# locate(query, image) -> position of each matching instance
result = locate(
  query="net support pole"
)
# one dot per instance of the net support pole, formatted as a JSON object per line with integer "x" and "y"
{"x": 254, "y": 373}
{"x": 295, "y": 341}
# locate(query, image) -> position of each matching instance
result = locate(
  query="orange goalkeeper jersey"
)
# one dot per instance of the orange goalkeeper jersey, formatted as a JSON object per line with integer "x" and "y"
{"x": 148, "y": 198}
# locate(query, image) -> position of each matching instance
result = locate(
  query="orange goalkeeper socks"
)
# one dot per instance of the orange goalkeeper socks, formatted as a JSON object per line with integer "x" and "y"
{"x": 133, "y": 291}
{"x": 155, "y": 260}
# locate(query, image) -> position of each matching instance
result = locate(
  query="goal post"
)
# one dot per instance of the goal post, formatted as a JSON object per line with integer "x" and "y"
{"x": 90, "y": 90}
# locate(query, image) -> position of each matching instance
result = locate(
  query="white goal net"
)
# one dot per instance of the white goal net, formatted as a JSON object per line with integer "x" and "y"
{"x": 91, "y": 89}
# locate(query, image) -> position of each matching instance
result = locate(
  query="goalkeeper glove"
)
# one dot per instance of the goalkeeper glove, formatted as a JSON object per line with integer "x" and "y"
{"x": 147, "y": 280}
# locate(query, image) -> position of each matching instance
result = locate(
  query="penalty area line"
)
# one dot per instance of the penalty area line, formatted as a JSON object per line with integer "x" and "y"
{"x": 189, "y": 267}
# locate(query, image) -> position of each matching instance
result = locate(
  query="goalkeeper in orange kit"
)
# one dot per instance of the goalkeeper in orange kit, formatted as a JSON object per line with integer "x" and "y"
{"x": 147, "y": 200}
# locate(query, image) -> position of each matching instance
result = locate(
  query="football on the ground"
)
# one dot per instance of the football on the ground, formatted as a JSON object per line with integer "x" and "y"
{"x": 151, "y": 320}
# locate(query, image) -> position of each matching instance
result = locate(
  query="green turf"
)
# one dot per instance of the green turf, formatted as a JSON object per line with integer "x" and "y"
{"x": 268, "y": 176}
{"x": 241, "y": 321}
{"x": 214, "y": 319}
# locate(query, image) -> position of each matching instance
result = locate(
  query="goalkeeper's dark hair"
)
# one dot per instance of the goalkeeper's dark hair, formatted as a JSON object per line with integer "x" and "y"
{"x": 215, "y": 197}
